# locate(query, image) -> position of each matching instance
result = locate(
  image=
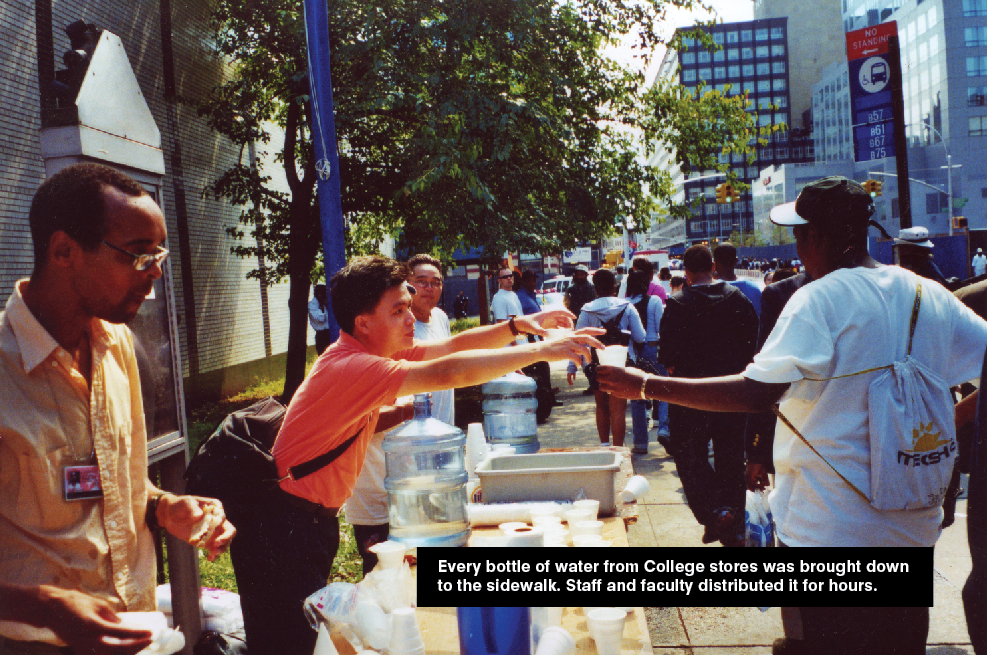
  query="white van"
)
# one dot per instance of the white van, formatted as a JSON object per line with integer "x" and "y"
{"x": 552, "y": 290}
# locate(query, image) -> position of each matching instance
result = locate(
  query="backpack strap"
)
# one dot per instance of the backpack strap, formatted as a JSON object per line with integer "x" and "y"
{"x": 918, "y": 302}
{"x": 316, "y": 464}
{"x": 791, "y": 427}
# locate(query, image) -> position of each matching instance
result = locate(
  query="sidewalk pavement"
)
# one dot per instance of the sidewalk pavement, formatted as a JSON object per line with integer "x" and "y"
{"x": 664, "y": 519}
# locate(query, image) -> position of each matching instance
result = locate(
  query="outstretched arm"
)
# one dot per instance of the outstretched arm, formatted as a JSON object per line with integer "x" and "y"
{"x": 499, "y": 334}
{"x": 733, "y": 393}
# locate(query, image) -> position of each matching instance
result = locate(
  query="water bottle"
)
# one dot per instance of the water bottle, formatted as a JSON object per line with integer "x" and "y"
{"x": 509, "y": 412}
{"x": 426, "y": 481}
{"x": 494, "y": 630}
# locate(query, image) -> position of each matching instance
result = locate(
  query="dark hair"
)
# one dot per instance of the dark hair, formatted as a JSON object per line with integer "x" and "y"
{"x": 637, "y": 283}
{"x": 72, "y": 201}
{"x": 676, "y": 281}
{"x": 604, "y": 281}
{"x": 642, "y": 264}
{"x": 698, "y": 259}
{"x": 664, "y": 273}
{"x": 420, "y": 259}
{"x": 726, "y": 254}
{"x": 781, "y": 274}
{"x": 359, "y": 286}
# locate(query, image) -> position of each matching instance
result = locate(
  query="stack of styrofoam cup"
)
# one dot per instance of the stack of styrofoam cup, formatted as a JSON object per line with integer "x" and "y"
{"x": 555, "y": 533}
{"x": 406, "y": 636}
{"x": 586, "y": 527}
{"x": 606, "y": 627}
{"x": 556, "y": 641}
{"x": 546, "y": 520}
{"x": 390, "y": 553}
{"x": 636, "y": 487}
{"x": 576, "y": 515}
{"x": 590, "y": 504}
{"x": 546, "y": 510}
{"x": 476, "y": 448}
{"x": 584, "y": 540}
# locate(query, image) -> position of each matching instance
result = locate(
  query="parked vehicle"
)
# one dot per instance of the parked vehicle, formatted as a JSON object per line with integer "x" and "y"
{"x": 552, "y": 290}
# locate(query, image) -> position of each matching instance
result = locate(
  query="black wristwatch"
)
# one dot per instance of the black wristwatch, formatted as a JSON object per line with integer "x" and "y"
{"x": 151, "y": 515}
{"x": 514, "y": 330}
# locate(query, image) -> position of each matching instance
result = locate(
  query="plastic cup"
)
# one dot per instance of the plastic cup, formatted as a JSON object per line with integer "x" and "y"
{"x": 406, "y": 636}
{"x": 636, "y": 487}
{"x": 546, "y": 520}
{"x": 576, "y": 515}
{"x": 390, "y": 553}
{"x": 511, "y": 525}
{"x": 586, "y": 527}
{"x": 558, "y": 333}
{"x": 613, "y": 356}
{"x": 606, "y": 627}
{"x": 556, "y": 641}
{"x": 323, "y": 643}
{"x": 586, "y": 539}
{"x": 546, "y": 510}
{"x": 591, "y": 505}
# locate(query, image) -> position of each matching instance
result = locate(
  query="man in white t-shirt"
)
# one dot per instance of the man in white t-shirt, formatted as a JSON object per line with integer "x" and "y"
{"x": 366, "y": 509}
{"x": 505, "y": 303}
{"x": 979, "y": 263}
{"x": 854, "y": 316}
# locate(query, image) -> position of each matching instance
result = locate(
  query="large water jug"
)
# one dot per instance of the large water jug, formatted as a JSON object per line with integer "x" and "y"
{"x": 426, "y": 481}
{"x": 509, "y": 412}
{"x": 494, "y": 630}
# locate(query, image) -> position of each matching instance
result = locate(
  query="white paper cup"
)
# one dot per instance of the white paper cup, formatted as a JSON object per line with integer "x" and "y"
{"x": 546, "y": 520}
{"x": 556, "y": 641}
{"x": 613, "y": 356}
{"x": 406, "y": 636}
{"x": 546, "y": 510}
{"x": 511, "y": 525}
{"x": 586, "y": 527}
{"x": 591, "y": 505}
{"x": 586, "y": 539}
{"x": 390, "y": 553}
{"x": 636, "y": 487}
{"x": 558, "y": 333}
{"x": 606, "y": 627}
{"x": 576, "y": 515}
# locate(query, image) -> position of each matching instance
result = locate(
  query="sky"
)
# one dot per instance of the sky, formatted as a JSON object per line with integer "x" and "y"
{"x": 729, "y": 11}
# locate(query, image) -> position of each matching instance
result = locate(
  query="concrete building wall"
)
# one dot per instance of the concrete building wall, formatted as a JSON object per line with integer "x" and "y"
{"x": 227, "y": 309}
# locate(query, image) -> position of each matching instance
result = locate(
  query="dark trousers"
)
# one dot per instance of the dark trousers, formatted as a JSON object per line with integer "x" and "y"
{"x": 865, "y": 630}
{"x": 709, "y": 488}
{"x": 282, "y": 554}
{"x": 323, "y": 339}
{"x": 367, "y": 536}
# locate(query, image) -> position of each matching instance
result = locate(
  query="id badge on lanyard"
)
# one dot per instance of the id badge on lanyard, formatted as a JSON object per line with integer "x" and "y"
{"x": 82, "y": 482}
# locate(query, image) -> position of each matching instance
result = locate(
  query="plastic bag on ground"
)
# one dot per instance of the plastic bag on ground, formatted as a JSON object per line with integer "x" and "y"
{"x": 759, "y": 528}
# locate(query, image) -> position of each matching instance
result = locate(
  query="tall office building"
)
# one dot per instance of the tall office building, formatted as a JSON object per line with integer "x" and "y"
{"x": 753, "y": 60}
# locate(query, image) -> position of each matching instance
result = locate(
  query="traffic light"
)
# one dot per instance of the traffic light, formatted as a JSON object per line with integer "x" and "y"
{"x": 734, "y": 195}
{"x": 959, "y": 222}
{"x": 876, "y": 188}
{"x": 721, "y": 193}
{"x": 728, "y": 192}
{"x": 873, "y": 187}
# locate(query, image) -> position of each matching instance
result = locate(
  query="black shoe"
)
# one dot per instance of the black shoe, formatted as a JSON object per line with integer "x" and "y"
{"x": 720, "y": 528}
{"x": 789, "y": 646}
{"x": 557, "y": 403}
{"x": 639, "y": 450}
{"x": 587, "y": 392}
{"x": 666, "y": 443}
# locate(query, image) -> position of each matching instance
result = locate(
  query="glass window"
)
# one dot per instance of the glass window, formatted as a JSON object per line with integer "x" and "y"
{"x": 688, "y": 57}
{"x": 780, "y": 118}
{"x": 976, "y": 66}
{"x": 733, "y": 54}
{"x": 974, "y": 36}
{"x": 921, "y": 25}
{"x": 762, "y": 52}
{"x": 705, "y": 73}
{"x": 764, "y": 103}
{"x": 747, "y": 53}
{"x": 779, "y": 85}
{"x": 732, "y": 37}
{"x": 719, "y": 72}
{"x": 761, "y": 34}
{"x": 748, "y": 70}
{"x": 689, "y": 75}
{"x": 763, "y": 86}
{"x": 718, "y": 55}
{"x": 780, "y": 101}
{"x": 933, "y": 15}
{"x": 746, "y": 36}
{"x": 777, "y": 51}
{"x": 767, "y": 153}
{"x": 978, "y": 126}
{"x": 688, "y": 41}
{"x": 777, "y": 32}
{"x": 764, "y": 120}
{"x": 933, "y": 45}
{"x": 923, "y": 53}
{"x": 782, "y": 153}
{"x": 778, "y": 67}
{"x": 703, "y": 56}
{"x": 764, "y": 68}
{"x": 718, "y": 37}
{"x": 733, "y": 71}
{"x": 748, "y": 86}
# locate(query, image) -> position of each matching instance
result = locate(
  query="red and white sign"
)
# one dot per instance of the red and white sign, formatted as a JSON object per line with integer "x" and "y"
{"x": 870, "y": 41}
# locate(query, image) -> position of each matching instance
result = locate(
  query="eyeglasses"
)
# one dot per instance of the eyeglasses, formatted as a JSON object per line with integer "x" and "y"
{"x": 142, "y": 262}
{"x": 428, "y": 284}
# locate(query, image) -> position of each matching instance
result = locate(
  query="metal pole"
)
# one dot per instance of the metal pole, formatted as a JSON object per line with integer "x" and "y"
{"x": 901, "y": 144}
{"x": 949, "y": 184}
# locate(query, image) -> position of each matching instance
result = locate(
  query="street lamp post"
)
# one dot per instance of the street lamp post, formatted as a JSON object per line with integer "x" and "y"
{"x": 949, "y": 176}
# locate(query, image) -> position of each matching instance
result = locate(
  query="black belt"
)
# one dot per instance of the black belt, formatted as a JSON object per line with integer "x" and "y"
{"x": 309, "y": 506}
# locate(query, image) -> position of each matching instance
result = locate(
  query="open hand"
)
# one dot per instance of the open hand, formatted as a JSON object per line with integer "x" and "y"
{"x": 575, "y": 348}
{"x": 90, "y": 626}
{"x": 621, "y": 382}
{"x": 542, "y": 321}
{"x": 198, "y": 521}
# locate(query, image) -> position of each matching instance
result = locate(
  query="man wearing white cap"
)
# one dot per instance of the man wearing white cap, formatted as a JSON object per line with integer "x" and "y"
{"x": 913, "y": 250}
{"x": 855, "y": 316}
{"x": 979, "y": 263}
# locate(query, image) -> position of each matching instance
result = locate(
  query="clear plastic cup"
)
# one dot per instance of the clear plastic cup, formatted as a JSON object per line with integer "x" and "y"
{"x": 636, "y": 487}
{"x": 556, "y": 641}
{"x": 591, "y": 505}
{"x": 576, "y": 515}
{"x": 613, "y": 356}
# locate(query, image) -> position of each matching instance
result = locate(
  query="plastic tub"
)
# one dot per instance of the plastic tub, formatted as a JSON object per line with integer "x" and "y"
{"x": 551, "y": 476}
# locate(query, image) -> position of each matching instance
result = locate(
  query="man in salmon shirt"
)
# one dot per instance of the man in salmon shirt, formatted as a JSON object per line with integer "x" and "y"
{"x": 286, "y": 554}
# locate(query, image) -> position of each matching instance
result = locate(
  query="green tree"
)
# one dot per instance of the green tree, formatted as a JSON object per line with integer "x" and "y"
{"x": 498, "y": 124}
